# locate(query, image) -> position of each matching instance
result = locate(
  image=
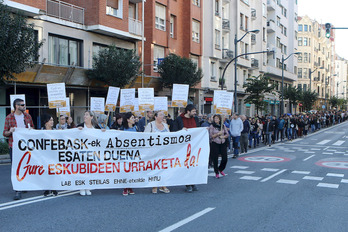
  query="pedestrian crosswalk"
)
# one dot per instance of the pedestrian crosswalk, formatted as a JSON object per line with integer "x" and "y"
{"x": 332, "y": 142}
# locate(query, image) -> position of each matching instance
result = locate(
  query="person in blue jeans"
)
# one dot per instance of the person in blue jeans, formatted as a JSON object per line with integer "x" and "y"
{"x": 254, "y": 133}
{"x": 236, "y": 127}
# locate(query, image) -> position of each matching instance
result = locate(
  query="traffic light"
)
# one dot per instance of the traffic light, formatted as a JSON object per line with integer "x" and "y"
{"x": 328, "y": 30}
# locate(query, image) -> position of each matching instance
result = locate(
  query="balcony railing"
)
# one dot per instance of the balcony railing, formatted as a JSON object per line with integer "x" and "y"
{"x": 253, "y": 13}
{"x": 227, "y": 54}
{"x": 226, "y": 24}
{"x": 65, "y": 11}
{"x": 135, "y": 26}
{"x": 253, "y": 38}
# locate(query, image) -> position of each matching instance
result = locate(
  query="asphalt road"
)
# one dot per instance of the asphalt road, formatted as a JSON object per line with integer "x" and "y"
{"x": 292, "y": 186}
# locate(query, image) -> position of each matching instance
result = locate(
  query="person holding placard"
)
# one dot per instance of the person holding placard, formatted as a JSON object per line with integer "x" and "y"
{"x": 89, "y": 122}
{"x": 187, "y": 120}
{"x": 47, "y": 122}
{"x": 158, "y": 125}
{"x": 142, "y": 124}
{"x": 218, "y": 135}
{"x": 18, "y": 119}
{"x": 129, "y": 125}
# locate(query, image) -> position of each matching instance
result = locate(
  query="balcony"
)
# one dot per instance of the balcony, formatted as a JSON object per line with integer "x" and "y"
{"x": 134, "y": 26}
{"x": 65, "y": 11}
{"x": 253, "y": 14}
{"x": 271, "y": 26}
{"x": 254, "y": 63}
{"x": 253, "y": 38}
{"x": 227, "y": 55}
{"x": 135, "y": 1}
{"x": 226, "y": 24}
{"x": 271, "y": 5}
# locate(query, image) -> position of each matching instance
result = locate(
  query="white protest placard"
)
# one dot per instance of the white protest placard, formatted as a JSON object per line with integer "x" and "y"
{"x": 98, "y": 104}
{"x": 127, "y": 100}
{"x": 111, "y": 99}
{"x": 146, "y": 99}
{"x": 136, "y": 111}
{"x": 224, "y": 103}
{"x": 161, "y": 104}
{"x": 14, "y": 97}
{"x": 93, "y": 159}
{"x": 64, "y": 110}
{"x": 180, "y": 95}
{"x": 56, "y": 95}
{"x": 216, "y": 97}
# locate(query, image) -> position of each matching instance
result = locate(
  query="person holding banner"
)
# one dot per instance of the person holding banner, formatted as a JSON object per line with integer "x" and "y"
{"x": 129, "y": 125}
{"x": 218, "y": 134}
{"x": 62, "y": 125}
{"x": 47, "y": 122}
{"x": 187, "y": 120}
{"x": 158, "y": 126}
{"x": 18, "y": 119}
{"x": 89, "y": 122}
{"x": 142, "y": 124}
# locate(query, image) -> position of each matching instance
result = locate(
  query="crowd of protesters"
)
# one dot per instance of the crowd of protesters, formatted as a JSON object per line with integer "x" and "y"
{"x": 236, "y": 134}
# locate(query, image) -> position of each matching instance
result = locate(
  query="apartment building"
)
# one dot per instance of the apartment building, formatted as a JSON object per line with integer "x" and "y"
{"x": 173, "y": 26}
{"x": 316, "y": 71}
{"x": 341, "y": 81}
{"x": 73, "y": 31}
{"x": 253, "y": 26}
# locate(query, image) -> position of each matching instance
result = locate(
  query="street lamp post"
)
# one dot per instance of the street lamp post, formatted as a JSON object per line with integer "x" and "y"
{"x": 310, "y": 77}
{"x": 283, "y": 60}
{"x": 236, "y": 41}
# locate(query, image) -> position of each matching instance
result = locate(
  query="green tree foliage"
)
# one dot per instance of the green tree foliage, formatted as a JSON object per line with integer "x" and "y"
{"x": 334, "y": 101}
{"x": 308, "y": 99}
{"x": 342, "y": 103}
{"x": 257, "y": 87}
{"x": 115, "y": 66}
{"x": 18, "y": 43}
{"x": 293, "y": 95}
{"x": 179, "y": 70}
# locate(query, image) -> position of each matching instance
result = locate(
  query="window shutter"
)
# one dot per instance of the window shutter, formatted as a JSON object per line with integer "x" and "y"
{"x": 112, "y": 3}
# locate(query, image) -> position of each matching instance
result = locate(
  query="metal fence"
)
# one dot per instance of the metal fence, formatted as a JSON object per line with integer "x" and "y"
{"x": 65, "y": 11}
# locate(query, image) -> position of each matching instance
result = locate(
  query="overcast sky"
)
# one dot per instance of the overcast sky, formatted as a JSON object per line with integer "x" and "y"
{"x": 329, "y": 11}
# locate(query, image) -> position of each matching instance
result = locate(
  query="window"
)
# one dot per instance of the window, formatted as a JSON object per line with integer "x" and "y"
{"x": 285, "y": 50}
{"x": 64, "y": 51}
{"x": 278, "y": 63}
{"x": 278, "y": 42}
{"x": 212, "y": 70}
{"x": 245, "y": 76}
{"x": 285, "y": 33}
{"x": 195, "y": 60}
{"x": 305, "y": 27}
{"x": 310, "y": 28}
{"x": 309, "y": 57}
{"x": 195, "y": 31}
{"x": 305, "y": 57}
{"x": 299, "y": 87}
{"x": 309, "y": 41}
{"x": 285, "y": 13}
{"x": 246, "y": 23}
{"x": 305, "y": 73}
{"x": 196, "y": 2}
{"x": 300, "y": 27}
{"x": 299, "y": 41}
{"x": 217, "y": 39}
{"x": 305, "y": 41}
{"x": 304, "y": 87}
{"x": 278, "y": 21}
{"x": 160, "y": 21}
{"x": 217, "y": 8}
{"x": 264, "y": 11}
{"x": 246, "y": 50}
{"x": 115, "y": 8}
{"x": 299, "y": 71}
{"x": 299, "y": 58}
{"x": 296, "y": 33}
{"x": 264, "y": 34}
{"x": 241, "y": 19}
{"x": 158, "y": 53}
{"x": 97, "y": 48}
{"x": 172, "y": 26}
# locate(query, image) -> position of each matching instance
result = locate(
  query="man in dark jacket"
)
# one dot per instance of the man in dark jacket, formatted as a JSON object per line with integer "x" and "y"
{"x": 269, "y": 130}
{"x": 187, "y": 120}
{"x": 142, "y": 124}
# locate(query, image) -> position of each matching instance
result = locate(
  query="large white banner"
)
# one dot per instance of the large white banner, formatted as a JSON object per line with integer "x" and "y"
{"x": 92, "y": 159}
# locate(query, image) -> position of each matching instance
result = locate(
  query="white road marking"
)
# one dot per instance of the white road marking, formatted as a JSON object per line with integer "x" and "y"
{"x": 315, "y": 149}
{"x": 324, "y": 142}
{"x": 290, "y": 151}
{"x": 327, "y": 185}
{"x": 240, "y": 167}
{"x": 244, "y": 172}
{"x": 283, "y": 181}
{"x": 313, "y": 178}
{"x": 269, "y": 149}
{"x": 325, "y": 148}
{"x": 271, "y": 176}
{"x": 339, "y": 152}
{"x": 327, "y": 153}
{"x": 187, "y": 220}
{"x": 250, "y": 178}
{"x": 308, "y": 157}
{"x": 301, "y": 172}
{"x": 338, "y": 143}
{"x": 270, "y": 169}
{"x": 344, "y": 181}
{"x": 309, "y": 152}
{"x": 331, "y": 150}
{"x": 32, "y": 200}
{"x": 335, "y": 174}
